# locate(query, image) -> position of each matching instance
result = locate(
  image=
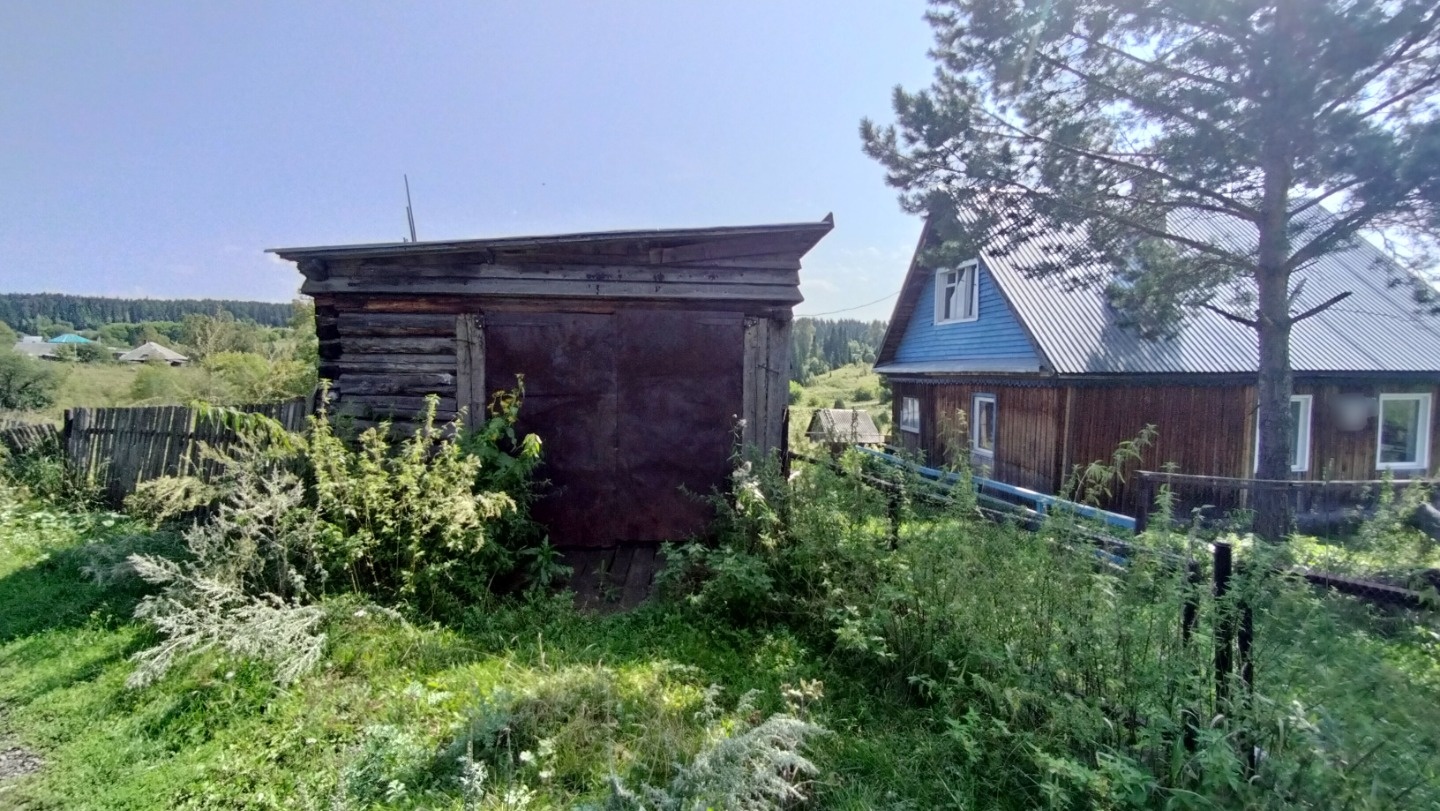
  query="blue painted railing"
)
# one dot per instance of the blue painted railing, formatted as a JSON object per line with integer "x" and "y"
{"x": 1039, "y": 502}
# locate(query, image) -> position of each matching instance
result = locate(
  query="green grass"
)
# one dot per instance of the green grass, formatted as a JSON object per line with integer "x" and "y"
{"x": 219, "y": 734}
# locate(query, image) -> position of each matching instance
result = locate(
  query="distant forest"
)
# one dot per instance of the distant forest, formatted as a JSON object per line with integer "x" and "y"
{"x": 26, "y": 312}
{"x": 819, "y": 345}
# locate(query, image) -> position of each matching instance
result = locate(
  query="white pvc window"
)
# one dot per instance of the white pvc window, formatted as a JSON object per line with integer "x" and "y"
{"x": 1301, "y": 408}
{"x": 910, "y": 414}
{"x": 1403, "y": 436}
{"x": 983, "y": 416}
{"x": 957, "y": 293}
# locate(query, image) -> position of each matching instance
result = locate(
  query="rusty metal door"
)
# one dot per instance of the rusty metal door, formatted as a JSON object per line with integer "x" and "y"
{"x": 568, "y": 360}
{"x": 680, "y": 393}
{"x": 636, "y": 411}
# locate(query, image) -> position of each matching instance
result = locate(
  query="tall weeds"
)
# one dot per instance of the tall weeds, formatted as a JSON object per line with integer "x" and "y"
{"x": 289, "y": 518}
{"x": 1058, "y": 674}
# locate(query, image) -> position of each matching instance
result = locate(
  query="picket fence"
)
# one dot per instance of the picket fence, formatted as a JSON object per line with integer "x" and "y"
{"x": 118, "y": 448}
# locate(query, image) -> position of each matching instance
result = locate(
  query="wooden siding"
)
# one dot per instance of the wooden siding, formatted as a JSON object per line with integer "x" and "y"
{"x": 995, "y": 334}
{"x": 1202, "y": 429}
{"x": 1026, "y": 431}
{"x": 1351, "y": 455}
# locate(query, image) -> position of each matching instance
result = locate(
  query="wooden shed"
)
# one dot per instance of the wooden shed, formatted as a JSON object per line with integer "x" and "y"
{"x": 842, "y": 427}
{"x": 643, "y": 353}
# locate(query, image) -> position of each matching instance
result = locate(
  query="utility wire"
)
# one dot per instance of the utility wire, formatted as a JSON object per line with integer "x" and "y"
{"x": 848, "y": 309}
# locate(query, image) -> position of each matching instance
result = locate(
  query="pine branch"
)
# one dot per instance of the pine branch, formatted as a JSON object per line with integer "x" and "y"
{"x": 1320, "y": 308}
{"x": 1251, "y": 323}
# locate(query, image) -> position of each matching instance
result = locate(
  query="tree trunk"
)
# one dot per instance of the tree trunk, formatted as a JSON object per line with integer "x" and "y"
{"x": 1273, "y": 388}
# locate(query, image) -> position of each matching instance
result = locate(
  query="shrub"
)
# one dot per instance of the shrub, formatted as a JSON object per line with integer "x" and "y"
{"x": 26, "y": 384}
{"x": 863, "y": 394}
{"x": 839, "y": 403}
{"x": 797, "y": 393}
{"x": 290, "y": 516}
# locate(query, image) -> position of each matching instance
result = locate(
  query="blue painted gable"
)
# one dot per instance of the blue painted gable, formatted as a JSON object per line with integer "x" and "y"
{"x": 996, "y": 333}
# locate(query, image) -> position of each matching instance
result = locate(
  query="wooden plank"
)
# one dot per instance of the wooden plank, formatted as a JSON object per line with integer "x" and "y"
{"x": 378, "y": 364}
{"x": 751, "y": 381}
{"x": 545, "y": 288}
{"x": 399, "y": 384}
{"x": 391, "y": 345}
{"x": 777, "y": 382}
{"x": 639, "y": 576}
{"x": 470, "y": 368}
{"x": 395, "y": 325}
{"x": 723, "y": 272}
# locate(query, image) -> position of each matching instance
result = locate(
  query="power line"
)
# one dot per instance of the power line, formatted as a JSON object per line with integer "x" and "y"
{"x": 848, "y": 309}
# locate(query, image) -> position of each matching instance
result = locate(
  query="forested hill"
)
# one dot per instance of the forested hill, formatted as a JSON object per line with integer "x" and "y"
{"x": 819, "y": 345}
{"x": 21, "y": 310}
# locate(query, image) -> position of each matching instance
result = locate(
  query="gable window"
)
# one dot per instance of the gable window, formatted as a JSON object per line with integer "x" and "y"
{"x": 1301, "y": 406}
{"x": 982, "y": 425}
{"x": 957, "y": 293}
{"x": 910, "y": 414}
{"x": 1403, "y": 441}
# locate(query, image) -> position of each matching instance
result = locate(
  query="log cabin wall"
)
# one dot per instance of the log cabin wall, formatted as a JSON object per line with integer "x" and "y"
{"x": 643, "y": 355}
{"x": 1341, "y": 452}
{"x": 1202, "y": 429}
{"x": 1027, "y": 429}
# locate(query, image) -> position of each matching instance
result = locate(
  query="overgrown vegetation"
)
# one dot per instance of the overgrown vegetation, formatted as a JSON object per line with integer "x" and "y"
{"x": 941, "y": 661}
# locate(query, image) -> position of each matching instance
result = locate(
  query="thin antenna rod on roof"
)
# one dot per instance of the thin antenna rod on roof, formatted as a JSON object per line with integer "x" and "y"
{"x": 409, "y": 212}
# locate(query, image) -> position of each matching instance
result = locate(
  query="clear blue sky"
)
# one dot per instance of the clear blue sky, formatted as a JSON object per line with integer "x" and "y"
{"x": 155, "y": 149}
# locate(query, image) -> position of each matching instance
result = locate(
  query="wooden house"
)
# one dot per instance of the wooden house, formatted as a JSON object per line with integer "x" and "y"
{"x": 643, "y": 353}
{"x": 1028, "y": 378}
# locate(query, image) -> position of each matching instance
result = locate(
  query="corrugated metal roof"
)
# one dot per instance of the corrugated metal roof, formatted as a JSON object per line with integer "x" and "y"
{"x": 1377, "y": 328}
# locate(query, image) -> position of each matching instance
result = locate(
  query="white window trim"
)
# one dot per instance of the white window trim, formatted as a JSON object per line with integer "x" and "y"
{"x": 975, "y": 402}
{"x": 972, "y": 265}
{"x": 1307, "y": 412}
{"x": 902, "y": 423}
{"x": 1422, "y": 461}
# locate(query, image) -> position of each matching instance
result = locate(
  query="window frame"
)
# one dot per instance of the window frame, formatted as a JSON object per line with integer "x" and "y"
{"x": 1422, "y": 447}
{"x": 1304, "y": 430}
{"x": 973, "y": 268}
{"x": 902, "y": 423}
{"x": 975, "y": 401}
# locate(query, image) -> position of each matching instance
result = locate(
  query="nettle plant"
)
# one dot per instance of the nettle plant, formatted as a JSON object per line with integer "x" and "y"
{"x": 425, "y": 523}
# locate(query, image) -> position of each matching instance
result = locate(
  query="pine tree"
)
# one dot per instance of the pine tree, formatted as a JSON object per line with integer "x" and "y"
{"x": 1128, "y": 116}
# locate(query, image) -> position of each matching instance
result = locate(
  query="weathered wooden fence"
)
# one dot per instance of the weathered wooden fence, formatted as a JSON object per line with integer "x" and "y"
{"x": 23, "y": 437}
{"x": 117, "y": 448}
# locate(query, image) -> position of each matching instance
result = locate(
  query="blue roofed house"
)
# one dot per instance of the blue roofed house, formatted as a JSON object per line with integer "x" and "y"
{"x": 1028, "y": 378}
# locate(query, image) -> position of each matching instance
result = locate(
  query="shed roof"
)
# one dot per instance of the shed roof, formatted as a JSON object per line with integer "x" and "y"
{"x": 755, "y": 263}
{"x": 660, "y": 237}
{"x": 149, "y": 350}
{"x": 1378, "y": 328}
{"x": 844, "y": 425}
